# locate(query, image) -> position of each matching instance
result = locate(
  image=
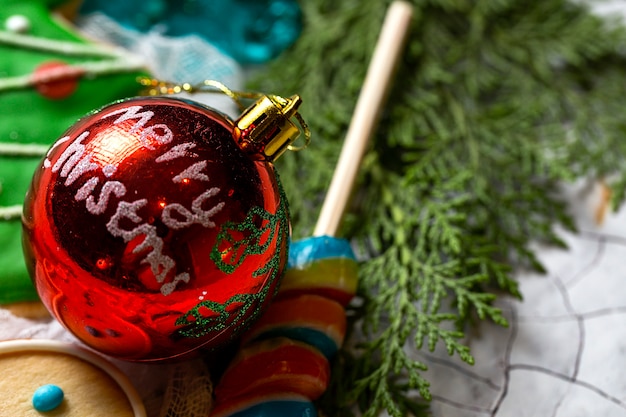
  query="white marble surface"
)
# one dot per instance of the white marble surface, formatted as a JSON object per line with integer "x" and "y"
{"x": 564, "y": 352}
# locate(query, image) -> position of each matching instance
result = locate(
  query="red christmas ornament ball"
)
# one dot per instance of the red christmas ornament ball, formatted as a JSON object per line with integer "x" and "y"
{"x": 150, "y": 233}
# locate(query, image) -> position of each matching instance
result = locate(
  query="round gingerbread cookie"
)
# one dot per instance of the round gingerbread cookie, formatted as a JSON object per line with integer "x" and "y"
{"x": 46, "y": 377}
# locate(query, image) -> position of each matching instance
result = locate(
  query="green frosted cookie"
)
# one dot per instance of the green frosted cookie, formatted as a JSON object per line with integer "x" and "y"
{"x": 49, "y": 77}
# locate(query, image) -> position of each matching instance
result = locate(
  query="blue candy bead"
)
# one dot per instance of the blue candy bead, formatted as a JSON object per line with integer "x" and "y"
{"x": 47, "y": 397}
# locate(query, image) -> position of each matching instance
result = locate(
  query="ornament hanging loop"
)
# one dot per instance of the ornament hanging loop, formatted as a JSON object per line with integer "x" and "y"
{"x": 265, "y": 128}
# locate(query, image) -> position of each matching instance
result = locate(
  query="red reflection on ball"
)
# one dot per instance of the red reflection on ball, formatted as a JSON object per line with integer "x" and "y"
{"x": 149, "y": 233}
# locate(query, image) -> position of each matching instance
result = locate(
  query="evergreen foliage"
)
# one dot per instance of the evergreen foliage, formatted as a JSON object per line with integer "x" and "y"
{"x": 495, "y": 104}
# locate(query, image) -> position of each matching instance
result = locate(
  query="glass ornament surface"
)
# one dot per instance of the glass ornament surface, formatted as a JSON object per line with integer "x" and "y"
{"x": 149, "y": 233}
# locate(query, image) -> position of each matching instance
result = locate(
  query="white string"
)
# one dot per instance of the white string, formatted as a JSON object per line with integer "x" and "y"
{"x": 23, "y": 149}
{"x": 71, "y": 71}
{"x": 11, "y": 212}
{"x": 62, "y": 47}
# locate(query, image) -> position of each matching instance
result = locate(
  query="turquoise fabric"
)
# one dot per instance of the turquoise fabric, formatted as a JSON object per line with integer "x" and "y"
{"x": 250, "y": 31}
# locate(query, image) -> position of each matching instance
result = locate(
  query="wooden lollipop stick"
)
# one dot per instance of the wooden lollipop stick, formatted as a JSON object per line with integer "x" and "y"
{"x": 365, "y": 117}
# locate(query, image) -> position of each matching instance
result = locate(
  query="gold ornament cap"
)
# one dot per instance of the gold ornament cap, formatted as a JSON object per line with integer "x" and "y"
{"x": 265, "y": 128}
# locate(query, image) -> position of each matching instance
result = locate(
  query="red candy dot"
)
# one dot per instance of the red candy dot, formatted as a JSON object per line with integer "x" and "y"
{"x": 56, "y": 80}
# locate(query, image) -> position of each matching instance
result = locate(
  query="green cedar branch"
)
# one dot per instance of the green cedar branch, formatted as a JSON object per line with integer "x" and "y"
{"x": 495, "y": 105}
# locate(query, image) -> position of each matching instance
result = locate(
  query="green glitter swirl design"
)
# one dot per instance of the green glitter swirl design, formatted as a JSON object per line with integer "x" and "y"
{"x": 196, "y": 324}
